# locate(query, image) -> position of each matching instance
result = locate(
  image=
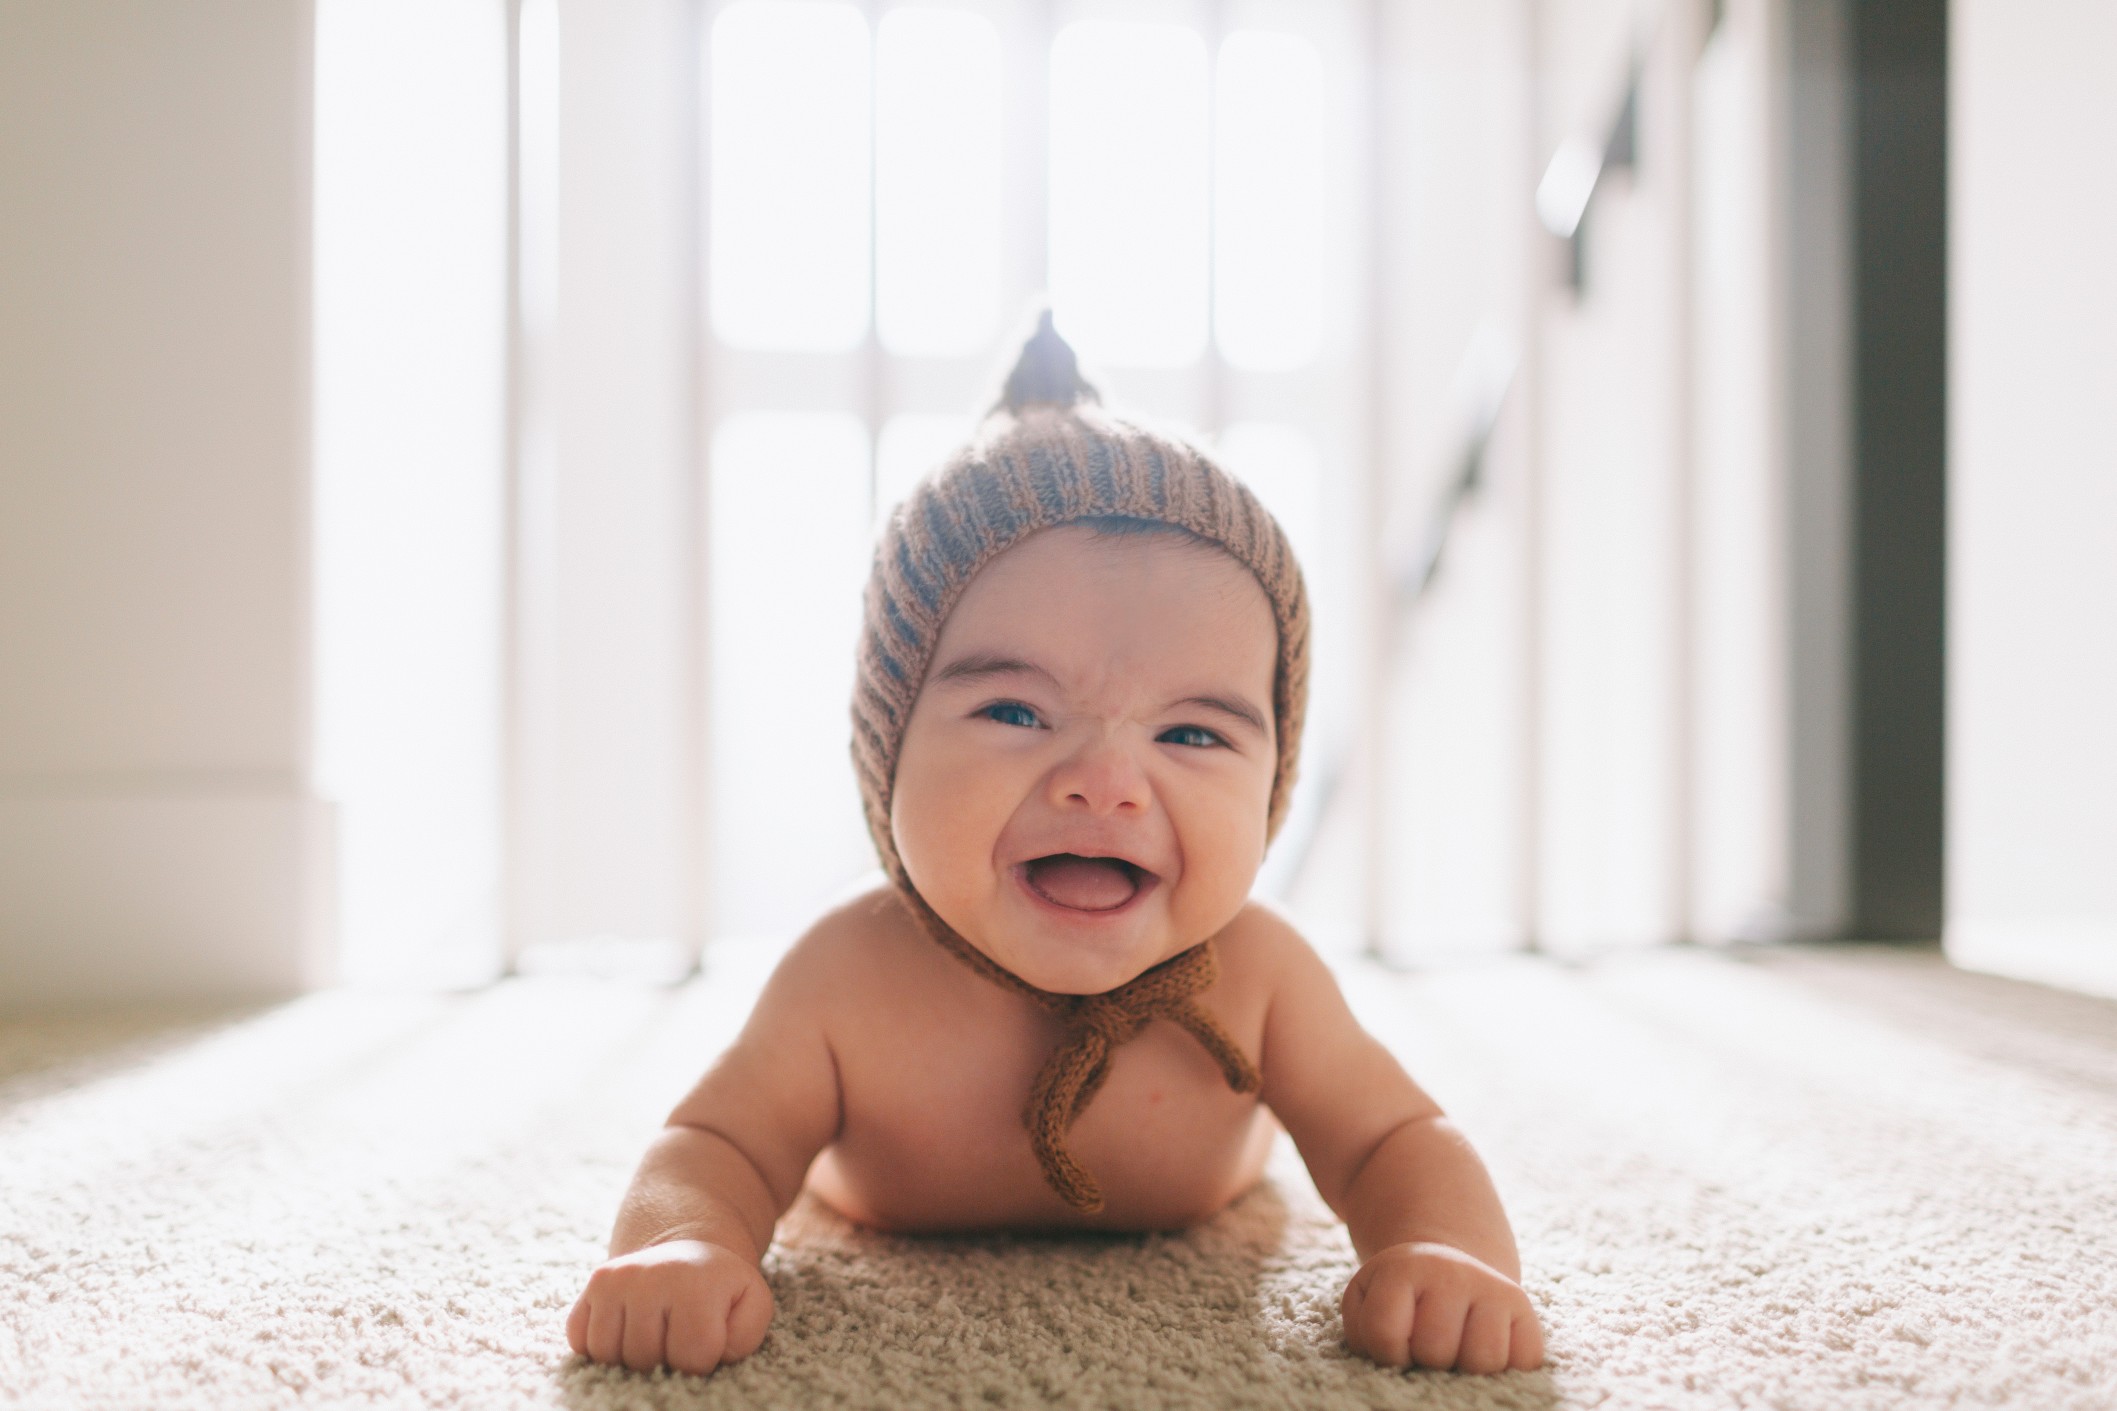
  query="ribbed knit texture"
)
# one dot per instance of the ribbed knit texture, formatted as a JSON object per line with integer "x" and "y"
{"x": 1047, "y": 457}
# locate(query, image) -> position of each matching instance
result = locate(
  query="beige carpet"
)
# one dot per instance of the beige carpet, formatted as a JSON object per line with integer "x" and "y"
{"x": 1804, "y": 1179}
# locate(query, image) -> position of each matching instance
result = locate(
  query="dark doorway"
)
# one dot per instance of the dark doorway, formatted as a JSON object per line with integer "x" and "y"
{"x": 1899, "y": 153}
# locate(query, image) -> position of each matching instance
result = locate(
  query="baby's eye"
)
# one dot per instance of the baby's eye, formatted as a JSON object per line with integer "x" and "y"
{"x": 1011, "y": 713}
{"x": 1196, "y": 736}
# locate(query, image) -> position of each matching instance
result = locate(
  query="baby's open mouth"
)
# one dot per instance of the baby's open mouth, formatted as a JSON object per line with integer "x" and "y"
{"x": 1084, "y": 883}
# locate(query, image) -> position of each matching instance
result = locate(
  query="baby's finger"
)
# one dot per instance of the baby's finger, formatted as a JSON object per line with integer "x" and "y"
{"x": 1385, "y": 1324}
{"x": 1487, "y": 1335}
{"x": 1437, "y": 1328}
{"x": 646, "y": 1332}
{"x": 1350, "y": 1314}
{"x": 606, "y": 1331}
{"x": 577, "y": 1326}
{"x": 748, "y": 1318}
{"x": 1528, "y": 1350}
{"x": 696, "y": 1337}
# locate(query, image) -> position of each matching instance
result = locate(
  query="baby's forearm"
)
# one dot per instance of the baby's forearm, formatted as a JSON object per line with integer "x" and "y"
{"x": 1423, "y": 1182}
{"x": 695, "y": 1184}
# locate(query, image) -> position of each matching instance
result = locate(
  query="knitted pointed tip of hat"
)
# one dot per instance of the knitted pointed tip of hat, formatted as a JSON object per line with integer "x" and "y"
{"x": 1045, "y": 457}
{"x": 1047, "y": 374}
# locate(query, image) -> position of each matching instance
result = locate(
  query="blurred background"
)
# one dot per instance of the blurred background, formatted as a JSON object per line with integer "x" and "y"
{"x": 441, "y": 442}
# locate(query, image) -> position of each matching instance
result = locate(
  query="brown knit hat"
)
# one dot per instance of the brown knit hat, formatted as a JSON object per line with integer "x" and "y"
{"x": 1047, "y": 456}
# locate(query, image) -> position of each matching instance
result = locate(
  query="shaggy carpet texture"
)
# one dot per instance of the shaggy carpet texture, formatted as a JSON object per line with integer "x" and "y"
{"x": 1832, "y": 1179}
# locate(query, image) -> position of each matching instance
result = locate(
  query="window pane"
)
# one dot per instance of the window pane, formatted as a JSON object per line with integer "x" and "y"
{"x": 908, "y": 448}
{"x": 1268, "y": 221}
{"x": 1279, "y": 463}
{"x": 1128, "y": 191}
{"x": 937, "y": 195}
{"x": 789, "y": 549}
{"x": 788, "y": 234}
{"x": 410, "y": 308}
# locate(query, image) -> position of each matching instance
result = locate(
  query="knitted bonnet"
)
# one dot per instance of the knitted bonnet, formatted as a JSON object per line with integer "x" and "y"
{"x": 1047, "y": 455}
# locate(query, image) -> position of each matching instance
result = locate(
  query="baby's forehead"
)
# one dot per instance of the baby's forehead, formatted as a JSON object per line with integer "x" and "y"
{"x": 1106, "y": 556}
{"x": 1140, "y": 600}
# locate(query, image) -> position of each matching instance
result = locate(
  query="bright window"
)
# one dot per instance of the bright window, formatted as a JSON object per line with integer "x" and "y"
{"x": 789, "y": 248}
{"x": 1280, "y": 465}
{"x": 1129, "y": 191}
{"x": 788, "y": 556}
{"x": 410, "y": 357}
{"x": 937, "y": 195}
{"x": 909, "y": 447}
{"x": 1269, "y": 158}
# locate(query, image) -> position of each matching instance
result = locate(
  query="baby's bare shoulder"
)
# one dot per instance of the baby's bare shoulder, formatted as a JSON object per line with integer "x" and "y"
{"x": 1262, "y": 953}
{"x": 1261, "y": 940}
{"x": 869, "y": 943}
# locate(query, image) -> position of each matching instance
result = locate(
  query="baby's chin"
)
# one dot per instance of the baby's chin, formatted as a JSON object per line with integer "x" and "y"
{"x": 1072, "y": 976}
{"x": 1071, "y": 965}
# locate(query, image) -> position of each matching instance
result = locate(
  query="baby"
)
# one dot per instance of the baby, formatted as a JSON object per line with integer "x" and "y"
{"x": 1079, "y": 702}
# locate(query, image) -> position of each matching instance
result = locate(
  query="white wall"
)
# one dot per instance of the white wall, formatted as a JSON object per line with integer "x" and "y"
{"x": 1612, "y": 576}
{"x": 1771, "y": 546}
{"x": 607, "y": 774}
{"x": 1621, "y": 715}
{"x": 158, "y": 835}
{"x": 2032, "y": 612}
{"x": 1455, "y": 226}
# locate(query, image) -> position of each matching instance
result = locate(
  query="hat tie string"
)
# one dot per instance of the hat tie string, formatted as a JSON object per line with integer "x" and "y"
{"x": 1095, "y": 1027}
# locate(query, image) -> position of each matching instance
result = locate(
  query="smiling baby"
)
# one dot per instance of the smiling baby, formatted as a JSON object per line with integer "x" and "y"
{"x": 1076, "y": 720}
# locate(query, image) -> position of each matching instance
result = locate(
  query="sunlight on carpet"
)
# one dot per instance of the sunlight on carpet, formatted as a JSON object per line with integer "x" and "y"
{"x": 1835, "y": 1179}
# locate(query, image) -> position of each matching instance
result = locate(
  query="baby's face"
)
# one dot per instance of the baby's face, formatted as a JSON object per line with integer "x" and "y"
{"x": 1082, "y": 787}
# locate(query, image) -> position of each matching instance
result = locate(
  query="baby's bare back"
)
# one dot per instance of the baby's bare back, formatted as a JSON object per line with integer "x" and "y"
{"x": 934, "y": 1065}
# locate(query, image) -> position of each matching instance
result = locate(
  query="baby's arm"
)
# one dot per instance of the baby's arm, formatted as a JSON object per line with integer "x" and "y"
{"x": 682, "y": 1284}
{"x": 1438, "y": 1284}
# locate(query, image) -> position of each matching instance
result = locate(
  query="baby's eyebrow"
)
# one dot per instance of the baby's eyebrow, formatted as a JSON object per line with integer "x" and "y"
{"x": 979, "y": 666}
{"x": 1234, "y": 706}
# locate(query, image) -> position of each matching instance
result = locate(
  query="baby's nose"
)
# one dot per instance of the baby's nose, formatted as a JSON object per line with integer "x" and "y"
{"x": 1101, "y": 776}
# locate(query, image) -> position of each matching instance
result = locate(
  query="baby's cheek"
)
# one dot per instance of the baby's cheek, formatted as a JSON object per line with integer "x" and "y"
{"x": 1223, "y": 850}
{"x": 946, "y": 818}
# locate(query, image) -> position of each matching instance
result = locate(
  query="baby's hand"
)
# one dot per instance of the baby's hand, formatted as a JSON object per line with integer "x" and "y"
{"x": 1435, "y": 1306}
{"x": 690, "y": 1304}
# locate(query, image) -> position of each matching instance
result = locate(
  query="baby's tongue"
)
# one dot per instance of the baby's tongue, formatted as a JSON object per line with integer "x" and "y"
{"x": 1084, "y": 883}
